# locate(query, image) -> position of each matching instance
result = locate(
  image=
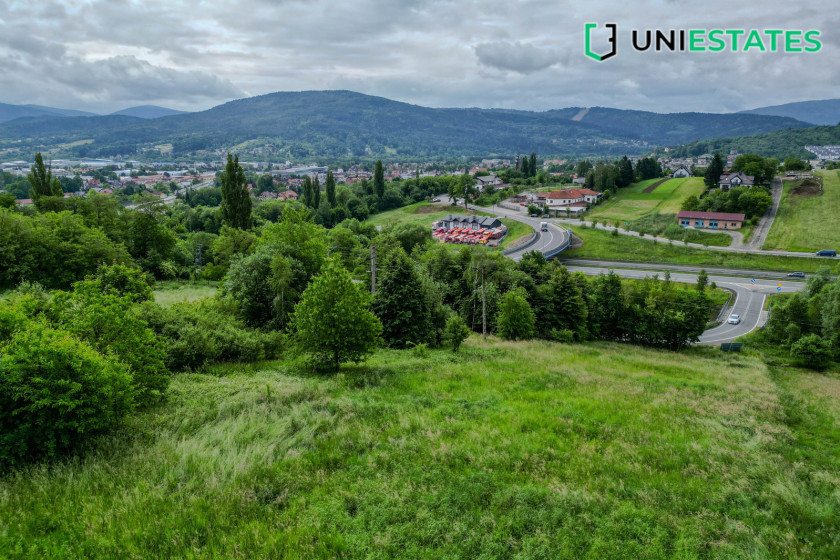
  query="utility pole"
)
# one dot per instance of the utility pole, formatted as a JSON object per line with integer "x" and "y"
{"x": 373, "y": 269}
{"x": 483, "y": 306}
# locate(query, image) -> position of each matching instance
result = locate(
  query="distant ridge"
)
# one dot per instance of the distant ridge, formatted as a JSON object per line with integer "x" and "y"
{"x": 10, "y": 112}
{"x": 822, "y": 112}
{"x": 346, "y": 124}
{"x": 148, "y": 112}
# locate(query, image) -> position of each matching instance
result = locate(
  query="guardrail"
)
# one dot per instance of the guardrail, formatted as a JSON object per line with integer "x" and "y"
{"x": 563, "y": 246}
{"x": 534, "y": 238}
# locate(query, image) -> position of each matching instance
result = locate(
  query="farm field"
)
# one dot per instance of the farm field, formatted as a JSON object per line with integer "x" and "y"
{"x": 600, "y": 244}
{"x": 807, "y": 221}
{"x": 631, "y": 203}
{"x": 504, "y": 450}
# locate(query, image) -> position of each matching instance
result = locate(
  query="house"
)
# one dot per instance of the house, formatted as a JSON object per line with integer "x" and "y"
{"x": 590, "y": 196}
{"x": 579, "y": 180}
{"x": 487, "y": 181}
{"x": 473, "y": 222}
{"x": 288, "y": 195}
{"x": 710, "y": 220}
{"x": 681, "y": 172}
{"x": 567, "y": 197}
{"x": 731, "y": 180}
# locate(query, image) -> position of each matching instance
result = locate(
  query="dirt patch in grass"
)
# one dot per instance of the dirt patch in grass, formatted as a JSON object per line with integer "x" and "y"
{"x": 653, "y": 186}
{"x": 808, "y": 187}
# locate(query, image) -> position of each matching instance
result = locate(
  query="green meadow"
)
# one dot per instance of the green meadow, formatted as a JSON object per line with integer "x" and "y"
{"x": 504, "y": 450}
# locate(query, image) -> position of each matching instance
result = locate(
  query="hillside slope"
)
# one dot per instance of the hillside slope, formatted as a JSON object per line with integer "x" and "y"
{"x": 821, "y": 112}
{"x": 504, "y": 450}
{"x": 343, "y": 123}
{"x": 779, "y": 144}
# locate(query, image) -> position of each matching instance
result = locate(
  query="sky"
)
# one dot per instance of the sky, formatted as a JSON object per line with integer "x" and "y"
{"x": 105, "y": 55}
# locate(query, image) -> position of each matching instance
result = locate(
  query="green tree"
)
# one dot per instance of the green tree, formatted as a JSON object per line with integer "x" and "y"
{"x": 560, "y": 305}
{"x": 333, "y": 323}
{"x": 515, "y": 320}
{"x": 316, "y": 193}
{"x": 379, "y": 180}
{"x": 330, "y": 189}
{"x": 532, "y": 165}
{"x": 714, "y": 171}
{"x": 265, "y": 183}
{"x": 702, "y": 281}
{"x": 625, "y": 172}
{"x": 307, "y": 196}
{"x": 236, "y": 201}
{"x": 811, "y": 351}
{"x": 45, "y": 189}
{"x": 400, "y": 302}
{"x": 456, "y": 332}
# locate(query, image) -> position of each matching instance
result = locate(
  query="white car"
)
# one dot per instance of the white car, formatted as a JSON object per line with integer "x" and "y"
{"x": 734, "y": 319}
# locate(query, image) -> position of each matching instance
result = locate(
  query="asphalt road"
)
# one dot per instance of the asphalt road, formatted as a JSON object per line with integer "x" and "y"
{"x": 749, "y": 297}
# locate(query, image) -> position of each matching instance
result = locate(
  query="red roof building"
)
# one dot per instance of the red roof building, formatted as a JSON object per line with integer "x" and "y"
{"x": 710, "y": 220}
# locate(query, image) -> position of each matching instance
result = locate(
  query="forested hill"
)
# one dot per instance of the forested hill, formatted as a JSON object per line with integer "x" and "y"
{"x": 779, "y": 144}
{"x": 822, "y": 112}
{"x": 342, "y": 123}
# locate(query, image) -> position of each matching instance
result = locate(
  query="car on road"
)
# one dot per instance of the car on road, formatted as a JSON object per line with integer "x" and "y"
{"x": 734, "y": 319}
{"x": 546, "y": 216}
{"x": 796, "y": 275}
{"x": 543, "y": 226}
{"x": 827, "y": 253}
{"x": 435, "y": 200}
{"x": 533, "y": 215}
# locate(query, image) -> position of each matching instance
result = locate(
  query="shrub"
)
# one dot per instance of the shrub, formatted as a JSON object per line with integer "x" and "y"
{"x": 56, "y": 391}
{"x": 811, "y": 351}
{"x": 206, "y": 332}
{"x": 456, "y": 332}
{"x": 515, "y": 320}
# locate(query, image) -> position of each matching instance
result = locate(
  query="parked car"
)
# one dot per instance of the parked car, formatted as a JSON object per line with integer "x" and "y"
{"x": 827, "y": 253}
{"x": 796, "y": 275}
{"x": 435, "y": 200}
{"x": 546, "y": 216}
{"x": 734, "y": 319}
{"x": 533, "y": 215}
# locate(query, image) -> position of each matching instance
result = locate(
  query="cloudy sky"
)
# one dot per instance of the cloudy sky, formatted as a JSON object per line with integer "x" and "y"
{"x": 104, "y": 55}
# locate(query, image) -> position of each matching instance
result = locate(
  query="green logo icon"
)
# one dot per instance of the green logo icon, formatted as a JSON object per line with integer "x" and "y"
{"x": 588, "y": 41}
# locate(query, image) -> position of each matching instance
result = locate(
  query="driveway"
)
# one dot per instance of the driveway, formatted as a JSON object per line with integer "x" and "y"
{"x": 759, "y": 236}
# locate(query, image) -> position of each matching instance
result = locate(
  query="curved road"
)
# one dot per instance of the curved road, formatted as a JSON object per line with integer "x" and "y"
{"x": 750, "y": 288}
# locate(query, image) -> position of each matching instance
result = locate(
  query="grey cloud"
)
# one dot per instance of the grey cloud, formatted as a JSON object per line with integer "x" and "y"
{"x": 517, "y": 57}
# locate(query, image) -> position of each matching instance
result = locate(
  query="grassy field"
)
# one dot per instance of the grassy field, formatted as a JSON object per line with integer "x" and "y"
{"x": 167, "y": 293}
{"x": 507, "y": 450}
{"x": 807, "y": 223}
{"x": 631, "y": 203}
{"x": 600, "y": 244}
{"x": 421, "y": 212}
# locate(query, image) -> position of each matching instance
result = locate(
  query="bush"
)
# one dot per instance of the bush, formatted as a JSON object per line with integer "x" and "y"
{"x": 515, "y": 320}
{"x": 206, "y": 332}
{"x": 456, "y": 332}
{"x": 56, "y": 391}
{"x": 811, "y": 351}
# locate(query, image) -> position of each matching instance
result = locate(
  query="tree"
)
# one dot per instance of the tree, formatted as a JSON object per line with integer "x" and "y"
{"x": 333, "y": 323}
{"x": 532, "y": 165}
{"x": 456, "y": 332}
{"x": 795, "y": 164}
{"x": 811, "y": 351}
{"x": 316, "y": 193}
{"x": 379, "y": 179}
{"x": 560, "y": 305}
{"x": 702, "y": 281}
{"x": 330, "y": 189}
{"x": 515, "y": 320}
{"x": 43, "y": 184}
{"x": 236, "y": 200}
{"x": 306, "y": 192}
{"x": 265, "y": 183}
{"x": 400, "y": 303}
{"x": 625, "y": 172}
{"x": 714, "y": 171}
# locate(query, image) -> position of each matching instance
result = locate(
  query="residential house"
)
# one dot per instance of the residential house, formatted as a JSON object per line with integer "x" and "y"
{"x": 487, "y": 181}
{"x": 731, "y": 180}
{"x": 710, "y": 220}
{"x": 681, "y": 172}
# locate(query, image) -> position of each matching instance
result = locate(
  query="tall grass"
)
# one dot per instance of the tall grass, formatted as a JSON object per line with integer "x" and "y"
{"x": 505, "y": 450}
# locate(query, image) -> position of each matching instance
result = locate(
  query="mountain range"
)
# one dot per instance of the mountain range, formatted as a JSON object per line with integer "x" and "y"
{"x": 345, "y": 124}
{"x": 10, "y": 112}
{"x": 823, "y": 112}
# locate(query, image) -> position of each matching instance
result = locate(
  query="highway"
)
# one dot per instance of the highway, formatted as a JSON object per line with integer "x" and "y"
{"x": 750, "y": 288}
{"x": 749, "y": 295}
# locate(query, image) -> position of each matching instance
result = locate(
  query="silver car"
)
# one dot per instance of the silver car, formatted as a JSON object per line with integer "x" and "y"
{"x": 734, "y": 319}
